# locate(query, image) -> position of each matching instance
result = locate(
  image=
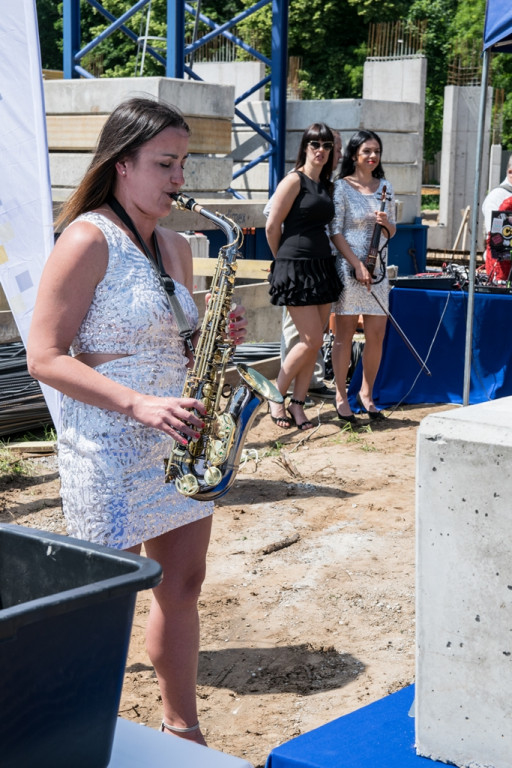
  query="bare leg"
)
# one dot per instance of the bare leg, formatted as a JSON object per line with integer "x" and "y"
{"x": 300, "y": 362}
{"x": 172, "y": 636}
{"x": 374, "y": 330}
{"x": 346, "y": 326}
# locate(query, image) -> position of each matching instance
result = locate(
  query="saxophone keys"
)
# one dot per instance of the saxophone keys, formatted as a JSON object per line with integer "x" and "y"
{"x": 212, "y": 476}
{"x": 187, "y": 485}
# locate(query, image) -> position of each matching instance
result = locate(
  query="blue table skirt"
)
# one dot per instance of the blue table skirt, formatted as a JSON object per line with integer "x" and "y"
{"x": 380, "y": 735}
{"x": 418, "y": 312}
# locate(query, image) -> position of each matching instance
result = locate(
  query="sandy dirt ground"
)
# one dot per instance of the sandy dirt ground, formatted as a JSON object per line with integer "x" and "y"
{"x": 308, "y": 607}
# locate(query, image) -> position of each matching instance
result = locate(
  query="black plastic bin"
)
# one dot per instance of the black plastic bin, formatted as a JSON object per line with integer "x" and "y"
{"x": 66, "y": 611}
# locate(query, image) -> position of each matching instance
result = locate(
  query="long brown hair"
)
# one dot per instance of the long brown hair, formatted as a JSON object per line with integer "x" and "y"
{"x": 128, "y": 127}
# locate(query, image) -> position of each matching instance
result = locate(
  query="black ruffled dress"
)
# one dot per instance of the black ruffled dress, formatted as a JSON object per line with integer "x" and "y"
{"x": 304, "y": 270}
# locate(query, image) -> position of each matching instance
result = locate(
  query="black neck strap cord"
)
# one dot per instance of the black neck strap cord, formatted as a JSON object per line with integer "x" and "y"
{"x": 167, "y": 282}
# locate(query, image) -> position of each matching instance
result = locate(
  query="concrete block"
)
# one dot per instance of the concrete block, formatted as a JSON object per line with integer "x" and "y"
{"x": 406, "y": 179}
{"x": 263, "y": 319}
{"x": 257, "y": 111}
{"x": 401, "y": 79}
{"x": 400, "y": 148}
{"x": 383, "y": 116}
{"x": 341, "y": 114}
{"x": 407, "y": 208}
{"x": 437, "y": 238}
{"x": 459, "y": 147}
{"x": 246, "y": 213}
{"x": 464, "y": 586}
{"x": 202, "y": 173}
{"x": 102, "y": 95}
{"x": 246, "y": 144}
{"x": 255, "y": 180}
{"x": 243, "y": 75}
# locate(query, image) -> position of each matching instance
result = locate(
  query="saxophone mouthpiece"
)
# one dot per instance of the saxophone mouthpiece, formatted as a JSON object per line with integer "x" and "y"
{"x": 183, "y": 202}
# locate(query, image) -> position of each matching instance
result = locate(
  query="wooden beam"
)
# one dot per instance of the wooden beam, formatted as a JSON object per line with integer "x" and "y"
{"x": 80, "y": 133}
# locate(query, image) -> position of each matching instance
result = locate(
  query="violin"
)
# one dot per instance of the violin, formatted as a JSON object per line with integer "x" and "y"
{"x": 373, "y": 252}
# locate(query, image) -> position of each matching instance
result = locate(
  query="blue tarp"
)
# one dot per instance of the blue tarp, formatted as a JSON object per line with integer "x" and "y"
{"x": 498, "y": 26}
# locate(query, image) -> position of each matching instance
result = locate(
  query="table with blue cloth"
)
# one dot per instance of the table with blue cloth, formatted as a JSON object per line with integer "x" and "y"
{"x": 380, "y": 735}
{"x": 435, "y": 324}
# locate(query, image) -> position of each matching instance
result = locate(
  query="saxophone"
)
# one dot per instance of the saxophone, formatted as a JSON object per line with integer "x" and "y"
{"x": 206, "y": 468}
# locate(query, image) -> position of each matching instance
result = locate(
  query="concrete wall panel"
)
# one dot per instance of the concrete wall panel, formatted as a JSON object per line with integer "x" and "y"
{"x": 202, "y": 174}
{"x": 102, "y": 95}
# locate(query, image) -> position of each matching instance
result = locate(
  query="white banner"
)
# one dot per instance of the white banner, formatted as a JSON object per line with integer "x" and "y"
{"x": 26, "y": 222}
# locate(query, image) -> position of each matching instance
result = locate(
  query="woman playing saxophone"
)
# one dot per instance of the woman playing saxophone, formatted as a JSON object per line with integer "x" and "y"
{"x": 104, "y": 336}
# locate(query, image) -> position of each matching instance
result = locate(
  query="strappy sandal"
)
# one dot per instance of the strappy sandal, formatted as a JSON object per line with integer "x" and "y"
{"x": 174, "y": 728}
{"x": 287, "y": 422}
{"x": 304, "y": 425}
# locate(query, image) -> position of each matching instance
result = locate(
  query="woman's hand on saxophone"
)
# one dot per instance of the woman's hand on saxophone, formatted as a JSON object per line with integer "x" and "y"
{"x": 179, "y": 417}
{"x": 237, "y": 322}
{"x": 237, "y": 327}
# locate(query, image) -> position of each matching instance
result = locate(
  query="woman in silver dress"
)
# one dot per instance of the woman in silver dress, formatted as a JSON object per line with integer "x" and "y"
{"x": 357, "y": 196}
{"x": 104, "y": 336}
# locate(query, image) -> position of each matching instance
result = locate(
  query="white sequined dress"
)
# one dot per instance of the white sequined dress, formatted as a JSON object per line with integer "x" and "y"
{"x": 354, "y": 218}
{"x": 111, "y": 466}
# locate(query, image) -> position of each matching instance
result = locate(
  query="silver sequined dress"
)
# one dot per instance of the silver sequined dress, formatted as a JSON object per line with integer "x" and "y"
{"x": 111, "y": 466}
{"x": 354, "y": 218}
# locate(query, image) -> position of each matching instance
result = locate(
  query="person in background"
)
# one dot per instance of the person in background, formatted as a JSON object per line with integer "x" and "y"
{"x": 103, "y": 335}
{"x": 496, "y": 196}
{"x": 290, "y": 335}
{"x": 303, "y": 274}
{"x": 498, "y": 269}
{"x": 357, "y": 196}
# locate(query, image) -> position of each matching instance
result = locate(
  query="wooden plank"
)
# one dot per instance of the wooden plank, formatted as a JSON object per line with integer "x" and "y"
{"x": 80, "y": 133}
{"x": 254, "y": 269}
{"x": 33, "y": 447}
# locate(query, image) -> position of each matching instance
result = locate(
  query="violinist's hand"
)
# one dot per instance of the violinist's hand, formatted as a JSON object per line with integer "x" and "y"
{"x": 179, "y": 417}
{"x": 362, "y": 275}
{"x": 237, "y": 327}
{"x": 382, "y": 218}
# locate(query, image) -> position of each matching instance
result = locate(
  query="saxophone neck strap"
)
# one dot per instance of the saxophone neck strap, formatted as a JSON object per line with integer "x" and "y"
{"x": 166, "y": 281}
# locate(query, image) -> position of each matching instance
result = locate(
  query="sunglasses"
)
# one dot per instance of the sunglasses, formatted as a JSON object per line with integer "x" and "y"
{"x": 327, "y": 145}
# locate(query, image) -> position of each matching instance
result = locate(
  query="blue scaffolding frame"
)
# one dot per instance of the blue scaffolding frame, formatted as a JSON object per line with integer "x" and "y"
{"x": 175, "y": 63}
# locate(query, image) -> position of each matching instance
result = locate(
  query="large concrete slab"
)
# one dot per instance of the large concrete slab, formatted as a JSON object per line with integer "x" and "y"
{"x": 246, "y": 213}
{"x": 102, "y": 95}
{"x": 464, "y": 586}
{"x": 401, "y": 79}
{"x": 202, "y": 173}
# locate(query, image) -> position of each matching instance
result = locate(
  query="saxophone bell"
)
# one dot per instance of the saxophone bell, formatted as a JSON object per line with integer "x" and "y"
{"x": 211, "y": 474}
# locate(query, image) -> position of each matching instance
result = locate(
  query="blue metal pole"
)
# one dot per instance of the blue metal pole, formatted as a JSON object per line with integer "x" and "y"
{"x": 175, "y": 39}
{"x": 278, "y": 92}
{"x": 71, "y": 37}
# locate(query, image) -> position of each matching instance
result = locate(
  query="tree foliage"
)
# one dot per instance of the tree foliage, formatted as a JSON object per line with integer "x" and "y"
{"x": 329, "y": 37}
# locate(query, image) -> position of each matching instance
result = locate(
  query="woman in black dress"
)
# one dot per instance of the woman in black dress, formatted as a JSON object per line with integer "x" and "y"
{"x": 303, "y": 276}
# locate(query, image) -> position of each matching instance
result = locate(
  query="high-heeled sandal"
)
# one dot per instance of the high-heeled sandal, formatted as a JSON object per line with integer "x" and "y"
{"x": 276, "y": 419}
{"x": 174, "y": 728}
{"x": 350, "y": 419}
{"x": 373, "y": 415}
{"x": 304, "y": 424}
